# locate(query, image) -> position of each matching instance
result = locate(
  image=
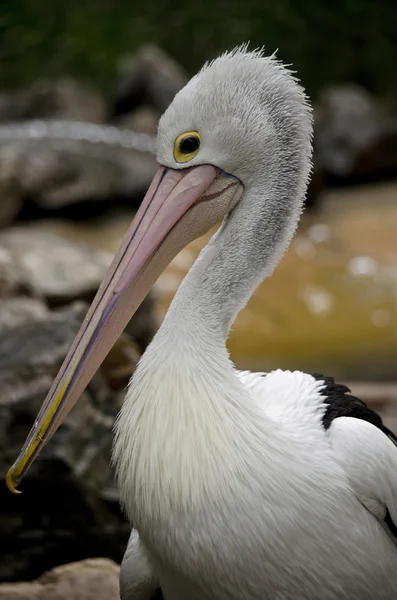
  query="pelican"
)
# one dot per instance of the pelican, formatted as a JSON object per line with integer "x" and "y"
{"x": 239, "y": 485}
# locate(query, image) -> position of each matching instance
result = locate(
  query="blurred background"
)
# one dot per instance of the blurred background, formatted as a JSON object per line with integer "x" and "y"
{"x": 82, "y": 85}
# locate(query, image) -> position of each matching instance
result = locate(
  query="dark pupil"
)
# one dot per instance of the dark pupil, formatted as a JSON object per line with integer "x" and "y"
{"x": 189, "y": 144}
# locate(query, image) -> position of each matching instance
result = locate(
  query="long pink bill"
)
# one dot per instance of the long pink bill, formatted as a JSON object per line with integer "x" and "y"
{"x": 151, "y": 242}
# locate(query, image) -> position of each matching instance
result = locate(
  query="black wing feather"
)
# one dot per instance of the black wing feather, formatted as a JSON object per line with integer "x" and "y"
{"x": 341, "y": 403}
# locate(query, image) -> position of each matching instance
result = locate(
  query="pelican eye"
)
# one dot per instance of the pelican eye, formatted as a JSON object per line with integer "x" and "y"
{"x": 186, "y": 146}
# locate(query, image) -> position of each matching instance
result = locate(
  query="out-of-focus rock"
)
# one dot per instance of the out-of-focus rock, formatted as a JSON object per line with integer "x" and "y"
{"x": 60, "y": 99}
{"x": 144, "y": 323}
{"x": 17, "y": 311}
{"x": 120, "y": 363}
{"x": 142, "y": 120}
{"x": 9, "y": 278}
{"x": 11, "y": 197}
{"x": 92, "y": 579}
{"x": 55, "y": 269}
{"x": 64, "y": 513}
{"x": 149, "y": 77}
{"x": 354, "y": 137}
{"x": 70, "y": 506}
{"x": 57, "y": 164}
{"x": 32, "y": 350}
{"x": 103, "y": 235}
{"x": 11, "y": 203}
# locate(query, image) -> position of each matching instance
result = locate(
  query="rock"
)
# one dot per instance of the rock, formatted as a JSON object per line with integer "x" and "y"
{"x": 144, "y": 324}
{"x": 69, "y": 508}
{"x": 106, "y": 235}
{"x": 149, "y": 77}
{"x": 32, "y": 350}
{"x": 63, "y": 98}
{"x": 92, "y": 579}
{"x": 142, "y": 120}
{"x": 59, "y": 164}
{"x": 11, "y": 201}
{"x": 65, "y": 512}
{"x": 20, "y": 310}
{"x": 9, "y": 278}
{"x": 53, "y": 268}
{"x": 354, "y": 137}
{"x": 11, "y": 197}
{"x": 120, "y": 363}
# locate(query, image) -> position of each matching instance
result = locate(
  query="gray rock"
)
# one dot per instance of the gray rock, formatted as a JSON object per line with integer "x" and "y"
{"x": 144, "y": 324}
{"x": 92, "y": 579}
{"x": 9, "y": 277}
{"x": 65, "y": 512}
{"x": 47, "y": 266}
{"x": 69, "y": 508}
{"x": 20, "y": 310}
{"x": 354, "y": 137}
{"x": 31, "y": 352}
{"x": 141, "y": 120}
{"x": 119, "y": 365}
{"x": 11, "y": 203}
{"x": 57, "y": 164}
{"x": 11, "y": 197}
{"x": 63, "y": 98}
{"x": 149, "y": 77}
{"x": 53, "y": 268}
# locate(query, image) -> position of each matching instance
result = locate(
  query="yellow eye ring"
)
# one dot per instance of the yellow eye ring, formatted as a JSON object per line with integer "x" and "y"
{"x": 186, "y": 146}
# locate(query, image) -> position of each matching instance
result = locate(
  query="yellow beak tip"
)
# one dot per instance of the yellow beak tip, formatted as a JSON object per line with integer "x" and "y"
{"x": 11, "y": 484}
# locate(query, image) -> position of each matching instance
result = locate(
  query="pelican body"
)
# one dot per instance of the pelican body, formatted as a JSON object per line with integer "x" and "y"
{"x": 239, "y": 486}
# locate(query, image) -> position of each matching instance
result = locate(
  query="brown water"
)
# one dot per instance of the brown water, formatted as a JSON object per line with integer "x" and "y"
{"x": 331, "y": 305}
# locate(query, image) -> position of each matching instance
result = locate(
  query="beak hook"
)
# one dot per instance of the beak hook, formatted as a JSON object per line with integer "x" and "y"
{"x": 11, "y": 483}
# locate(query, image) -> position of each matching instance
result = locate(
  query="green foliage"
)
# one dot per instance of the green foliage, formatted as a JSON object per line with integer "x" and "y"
{"x": 327, "y": 42}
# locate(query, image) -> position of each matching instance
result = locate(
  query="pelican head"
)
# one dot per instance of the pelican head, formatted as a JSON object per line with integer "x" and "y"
{"x": 234, "y": 145}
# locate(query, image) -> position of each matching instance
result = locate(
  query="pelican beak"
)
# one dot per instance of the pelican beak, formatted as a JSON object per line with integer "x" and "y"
{"x": 180, "y": 205}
